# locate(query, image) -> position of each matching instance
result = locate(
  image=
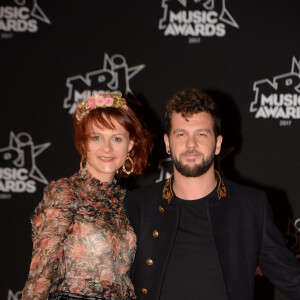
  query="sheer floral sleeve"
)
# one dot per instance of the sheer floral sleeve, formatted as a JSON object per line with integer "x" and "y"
{"x": 50, "y": 225}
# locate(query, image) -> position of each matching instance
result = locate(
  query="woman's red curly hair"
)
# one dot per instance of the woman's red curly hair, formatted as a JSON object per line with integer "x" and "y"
{"x": 102, "y": 117}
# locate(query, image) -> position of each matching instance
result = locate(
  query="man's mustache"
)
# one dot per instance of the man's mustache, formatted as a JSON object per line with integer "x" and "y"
{"x": 191, "y": 152}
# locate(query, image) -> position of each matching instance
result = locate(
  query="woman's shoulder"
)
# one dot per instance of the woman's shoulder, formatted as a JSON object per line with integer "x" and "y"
{"x": 60, "y": 192}
{"x": 61, "y": 185}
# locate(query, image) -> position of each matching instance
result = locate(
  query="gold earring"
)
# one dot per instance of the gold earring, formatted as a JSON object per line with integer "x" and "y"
{"x": 82, "y": 164}
{"x": 124, "y": 165}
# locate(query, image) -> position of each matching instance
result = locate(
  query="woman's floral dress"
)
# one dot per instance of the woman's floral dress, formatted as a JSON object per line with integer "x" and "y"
{"x": 82, "y": 241}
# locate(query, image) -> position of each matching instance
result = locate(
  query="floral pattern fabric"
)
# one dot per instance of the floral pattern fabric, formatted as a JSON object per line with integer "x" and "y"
{"x": 82, "y": 241}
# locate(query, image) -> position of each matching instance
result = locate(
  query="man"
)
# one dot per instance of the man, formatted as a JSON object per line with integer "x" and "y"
{"x": 201, "y": 236}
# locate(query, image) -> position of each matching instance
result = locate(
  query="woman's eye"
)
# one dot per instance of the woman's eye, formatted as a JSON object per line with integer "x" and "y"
{"x": 117, "y": 139}
{"x": 96, "y": 138}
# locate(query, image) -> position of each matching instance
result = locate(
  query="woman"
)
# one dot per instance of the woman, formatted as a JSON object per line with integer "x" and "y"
{"x": 83, "y": 245}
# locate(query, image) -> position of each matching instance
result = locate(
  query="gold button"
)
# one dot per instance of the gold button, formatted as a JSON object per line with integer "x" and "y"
{"x": 161, "y": 209}
{"x": 144, "y": 291}
{"x": 155, "y": 233}
{"x": 149, "y": 262}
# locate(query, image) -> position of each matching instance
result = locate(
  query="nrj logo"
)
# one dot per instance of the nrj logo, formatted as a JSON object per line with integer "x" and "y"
{"x": 14, "y": 296}
{"x": 18, "y": 170}
{"x": 22, "y": 16}
{"x": 278, "y": 98}
{"x": 115, "y": 75}
{"x": 194, "y": 19}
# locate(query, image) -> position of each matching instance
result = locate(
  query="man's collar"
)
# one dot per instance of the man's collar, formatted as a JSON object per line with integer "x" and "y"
{"x": 221, "y": 189}
{"x": 168, "y": 190}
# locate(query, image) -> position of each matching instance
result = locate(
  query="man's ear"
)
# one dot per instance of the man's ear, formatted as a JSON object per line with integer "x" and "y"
{"x": 218, "y": 144}
{"x": 167, "y": 143}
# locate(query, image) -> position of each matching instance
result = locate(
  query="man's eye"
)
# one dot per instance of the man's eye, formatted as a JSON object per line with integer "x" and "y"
{"x": 180, "y": 134}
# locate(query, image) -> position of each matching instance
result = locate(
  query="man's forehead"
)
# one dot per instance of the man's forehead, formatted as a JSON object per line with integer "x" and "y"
{"x": 201, "y": 117}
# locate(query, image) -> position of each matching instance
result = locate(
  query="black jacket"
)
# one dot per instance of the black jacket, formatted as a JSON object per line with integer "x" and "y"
{"x": 243, "y": 232}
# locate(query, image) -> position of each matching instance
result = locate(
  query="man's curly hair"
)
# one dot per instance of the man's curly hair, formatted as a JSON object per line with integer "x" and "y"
{"x": 189, "y": 102}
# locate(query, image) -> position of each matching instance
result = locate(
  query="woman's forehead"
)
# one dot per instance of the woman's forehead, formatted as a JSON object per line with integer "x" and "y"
{"x": 111, "y": 125}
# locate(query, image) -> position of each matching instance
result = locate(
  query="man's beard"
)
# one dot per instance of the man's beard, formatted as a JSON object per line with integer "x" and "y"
{"x": 195, "y": 170}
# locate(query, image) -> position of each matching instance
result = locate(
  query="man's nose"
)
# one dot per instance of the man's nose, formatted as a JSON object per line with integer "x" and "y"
{"x": 191, "y": 141}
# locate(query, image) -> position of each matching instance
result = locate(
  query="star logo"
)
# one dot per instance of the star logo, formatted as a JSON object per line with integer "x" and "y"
{"x": 21, "y": 153}
{"x": 115, "y": 75}
{"x": 278, "y": 98}
{"x": 36, "y": 11}
{"x": 225, "y": 15}
{"x": 195, "y": 19}
{"x": 14, "y": 296}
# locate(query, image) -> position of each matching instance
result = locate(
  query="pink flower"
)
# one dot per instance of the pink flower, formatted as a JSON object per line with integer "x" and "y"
{"x": 40, "y": 286}
{"x": 91, "y": 103}
{"x": 38, "y": 220}
{"x": 122, "y": 268}
{"x": 80, "y": 229}
{"x": 131, "y": 238}
{"x": 59, "y": 252}
{"x": 79, "y": 251}
{"x": 109, "y": 101}
{"x": 106, "y": 275}
{"x": 47, "y": 243}
{"x": 100, "y": 101}
{"x": 76, "y": 284}
{"x": 114, "y": 242}
{"x": 52, "y": 213}
{"x": 35, "y": 261}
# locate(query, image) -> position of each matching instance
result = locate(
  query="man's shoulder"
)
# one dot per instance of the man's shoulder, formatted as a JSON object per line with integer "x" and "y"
{"x": 148, "y": 190}
{"x": 143, "y": 197}
{"x": 243, "y": 191}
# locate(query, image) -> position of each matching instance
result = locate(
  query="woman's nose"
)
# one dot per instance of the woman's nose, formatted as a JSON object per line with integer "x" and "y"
{"x": 107, "y": 146}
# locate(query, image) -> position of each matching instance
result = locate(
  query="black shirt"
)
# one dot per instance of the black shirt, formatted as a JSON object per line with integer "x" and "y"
{"x": 193, "y": 272}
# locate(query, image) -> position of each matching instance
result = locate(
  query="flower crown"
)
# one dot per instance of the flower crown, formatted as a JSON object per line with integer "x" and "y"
{"x": 106, "y": 99}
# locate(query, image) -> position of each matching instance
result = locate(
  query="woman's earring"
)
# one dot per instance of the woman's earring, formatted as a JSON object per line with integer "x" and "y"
{"x": 168, "y": 151}
{"x": 124, "y": 165}
{"x": 82, "y": 164}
